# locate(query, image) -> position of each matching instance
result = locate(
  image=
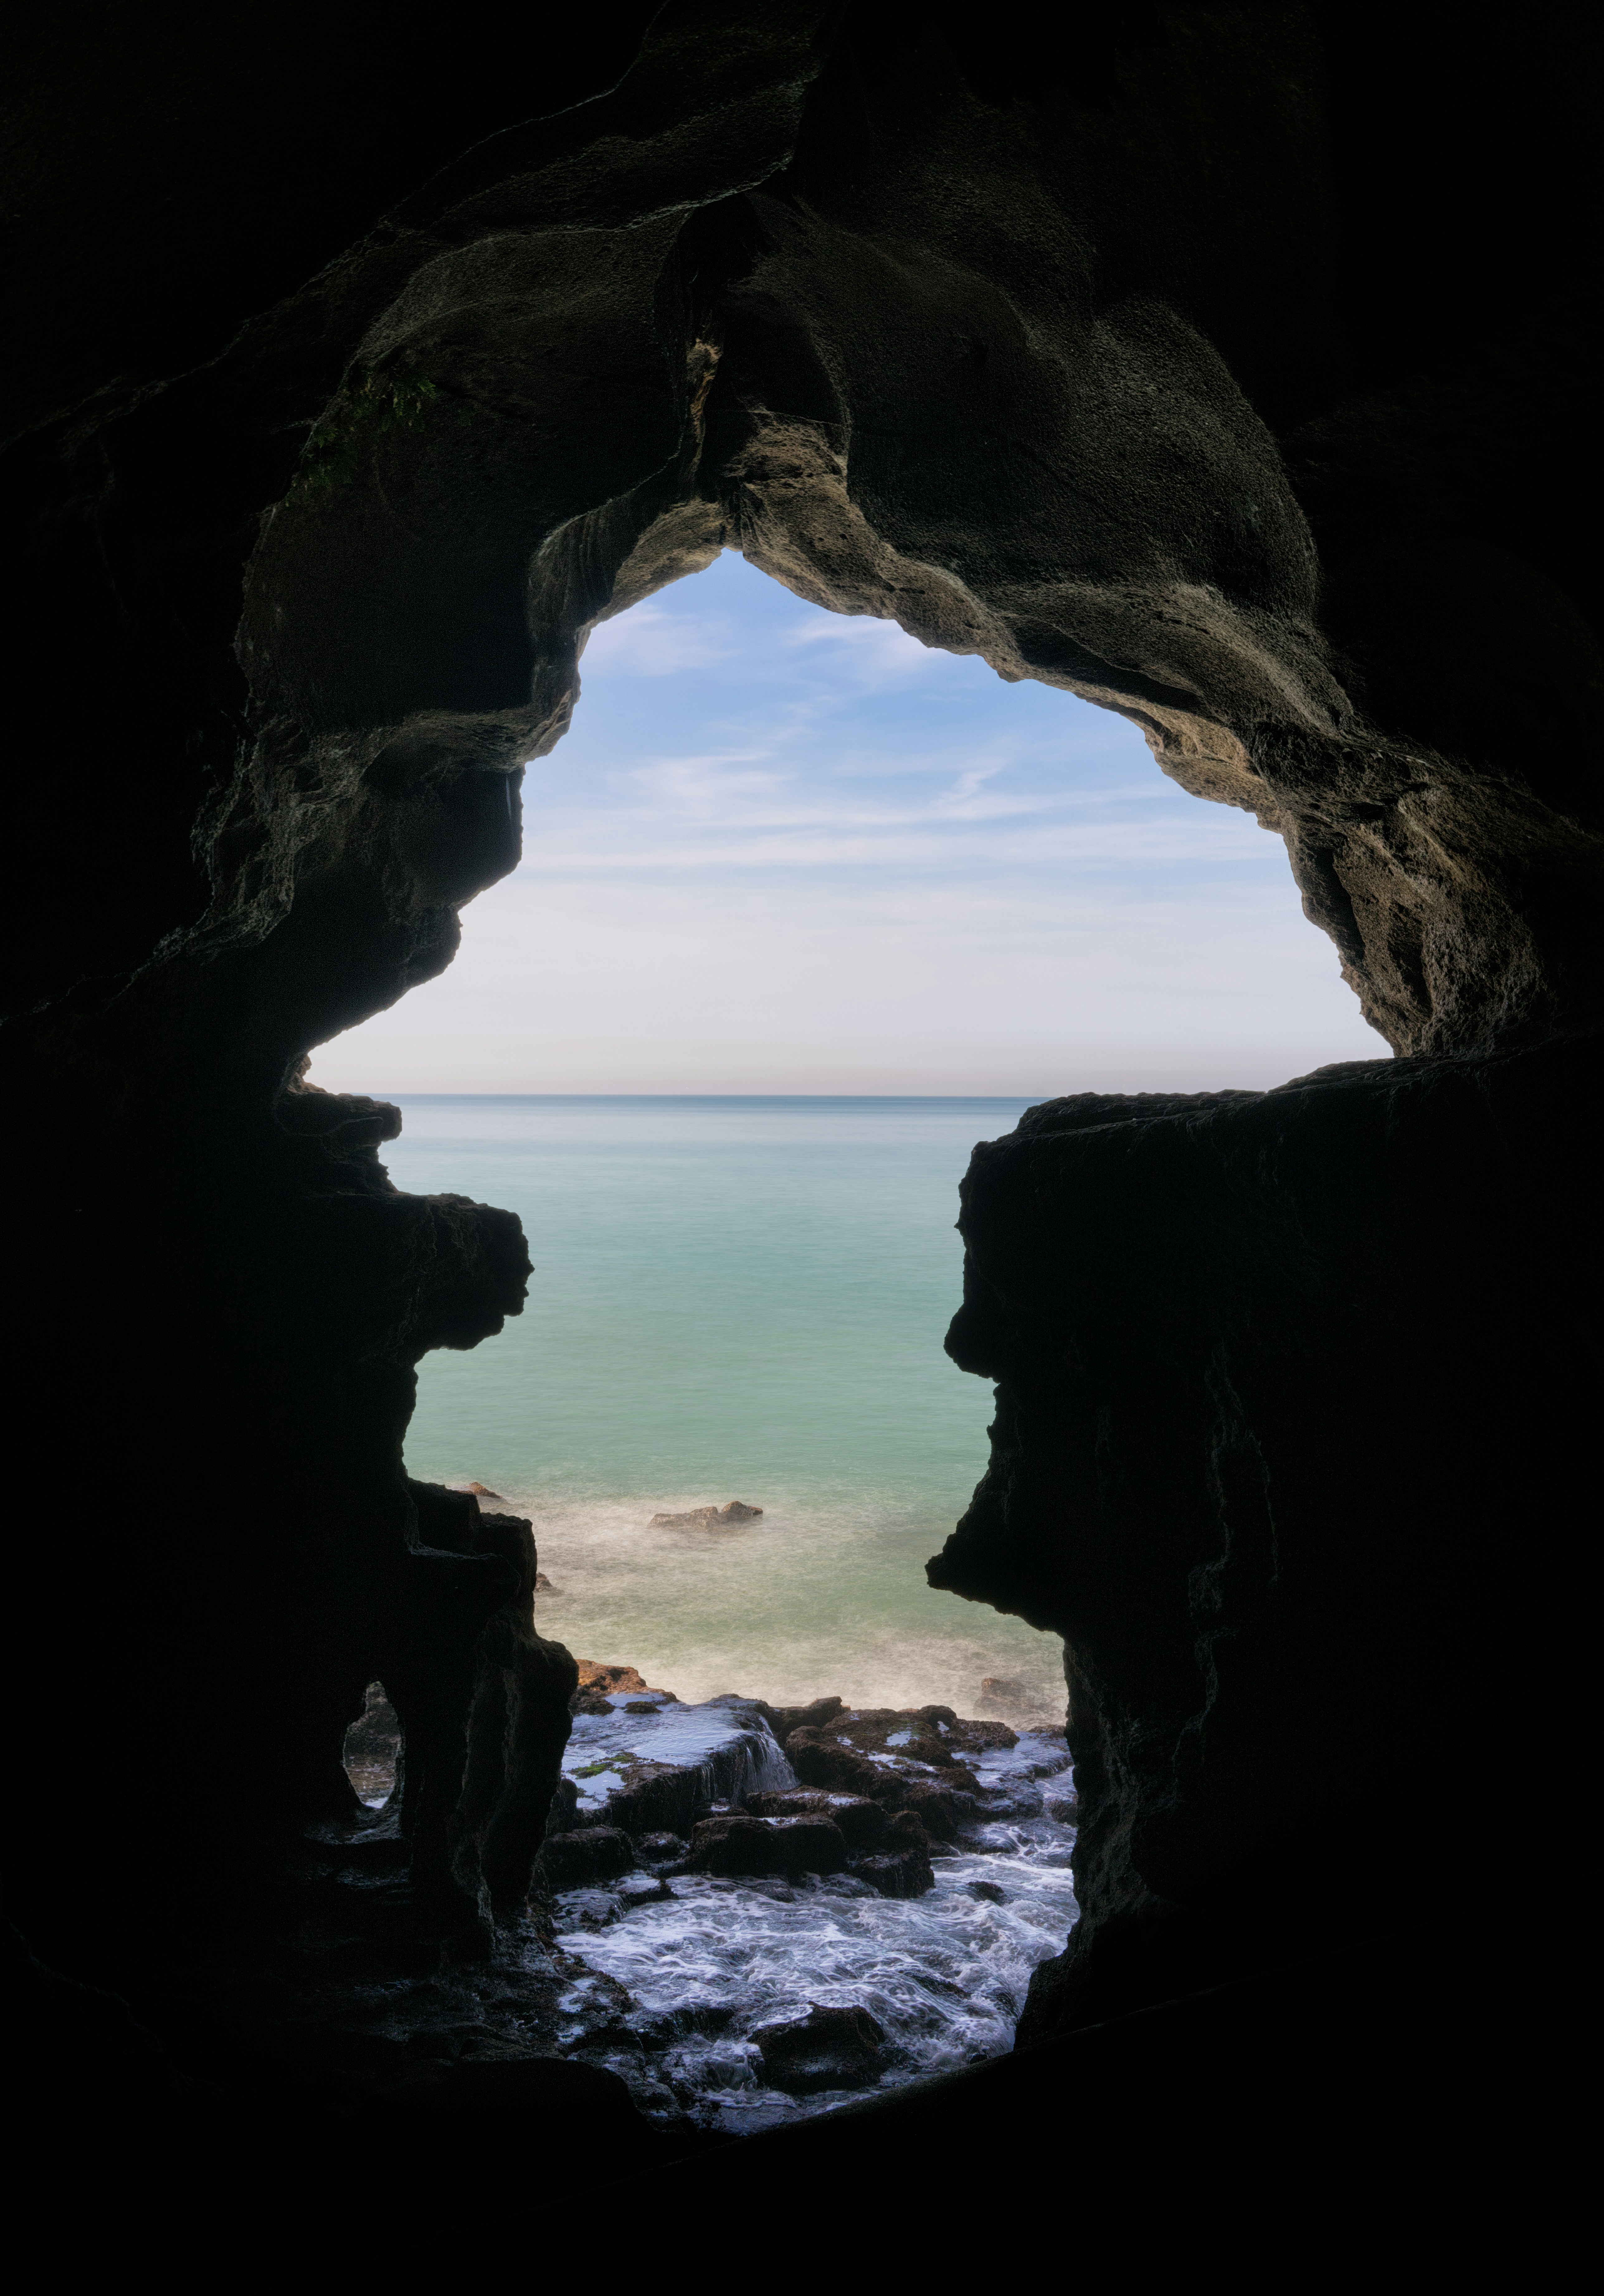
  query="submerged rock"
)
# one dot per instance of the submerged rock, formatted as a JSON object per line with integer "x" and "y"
{"x": 829, "y": 2048}
{"x": 700, "y": 1518}
{"x": 642, "y": 1889}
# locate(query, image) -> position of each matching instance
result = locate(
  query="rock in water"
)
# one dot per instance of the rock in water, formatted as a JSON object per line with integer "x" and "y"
{"x": 863, "y": 1824}
{"x": 600, "y": 1685}
{"x": 596, "y": 1853}
{"x": 783, "y": 1719}
{"x": 484, "y": 1491}
{"x": 704, "y": 1518}
{"x": 1001, "y": 1695}
{"x": 829, "y": 2048}
{"x": 642, "y": 1889}
{"x": 738, "y": 1844}
{"x": 903, "y": 1869}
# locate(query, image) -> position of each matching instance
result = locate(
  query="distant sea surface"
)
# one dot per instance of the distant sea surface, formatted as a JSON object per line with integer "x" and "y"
{"x": 732, "y": 1299}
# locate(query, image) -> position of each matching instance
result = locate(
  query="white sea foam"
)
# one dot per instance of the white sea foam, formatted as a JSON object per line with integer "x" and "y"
{"x": 946, "y": 1974}
{"x": 823, "y": 1594}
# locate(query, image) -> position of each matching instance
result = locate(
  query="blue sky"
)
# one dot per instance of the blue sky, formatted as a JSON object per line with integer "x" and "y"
{"x": 783, "y": 851}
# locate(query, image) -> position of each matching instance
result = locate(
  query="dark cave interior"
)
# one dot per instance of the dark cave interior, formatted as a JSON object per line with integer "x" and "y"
{"x": 1223, "y": 365}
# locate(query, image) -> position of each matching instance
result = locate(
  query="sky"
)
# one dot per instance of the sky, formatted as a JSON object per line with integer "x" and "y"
{"x": 789, "y": 851}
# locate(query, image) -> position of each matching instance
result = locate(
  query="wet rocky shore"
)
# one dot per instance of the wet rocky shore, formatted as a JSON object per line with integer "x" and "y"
{"x": 745, "y": 1911}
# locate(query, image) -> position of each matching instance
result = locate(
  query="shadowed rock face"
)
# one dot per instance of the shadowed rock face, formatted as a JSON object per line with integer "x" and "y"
{"x": 1289, "y": 1390}
{"x": 1184, "y": 360}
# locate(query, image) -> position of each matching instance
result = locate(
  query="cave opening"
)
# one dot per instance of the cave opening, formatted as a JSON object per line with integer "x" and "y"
{"x": 1151, "y": 357}
{"x": 785, "y": 848}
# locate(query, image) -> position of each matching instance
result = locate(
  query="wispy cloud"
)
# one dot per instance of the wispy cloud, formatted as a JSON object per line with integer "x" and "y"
{"x": 833, "y": 855}
{"x": 653, "y": 640}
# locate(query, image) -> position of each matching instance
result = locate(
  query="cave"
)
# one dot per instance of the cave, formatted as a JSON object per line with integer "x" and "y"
{"x": 1222, "y": 365}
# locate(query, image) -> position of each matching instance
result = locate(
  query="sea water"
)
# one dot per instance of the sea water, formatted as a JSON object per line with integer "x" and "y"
{"x": 733, "y": 1297}
{"x": 707, "y": 1967}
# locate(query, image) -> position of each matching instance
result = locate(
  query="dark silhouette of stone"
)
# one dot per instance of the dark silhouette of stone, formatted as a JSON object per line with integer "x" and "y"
{"x": 903, "y": 1868}
{"x": 942, "y": 1810}
{"x": 821, "y": 1761}
{"x": 863, "y": 1824}
{"x": 661, "y": 1847}
{"x": 829, "y": 2048}
{"x": 738, "y": 1844}
{"x": 590, "y": 1855}
{"x": 783, "y": 1719}
{"x": 1234, "y": 1405}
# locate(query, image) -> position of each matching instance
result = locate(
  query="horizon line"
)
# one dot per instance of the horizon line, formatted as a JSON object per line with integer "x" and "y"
{"x": 423, "y": 1092}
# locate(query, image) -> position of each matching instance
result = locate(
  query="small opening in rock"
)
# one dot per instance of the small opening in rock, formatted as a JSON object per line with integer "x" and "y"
{"x": 373, "y": 1747}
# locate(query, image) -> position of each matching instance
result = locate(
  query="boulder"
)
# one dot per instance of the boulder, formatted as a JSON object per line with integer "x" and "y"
{"x": 591, "y": 1854}
{"x": 821, "y": 1760}
{"x": 484, "y": 1491}
{"x": 863, "y": 1823}
{"x": 594, "y": 1675}
{"x": 898, "y": 1873}
{"x": 901, "y": 1869}
{"x": 829, "y": 2048}
{"x": 600, "y": 1684}
{"x": 941, "y": 1809}
{"x": 783, "y": 1719}
{"x": 738, "y": 1844}
{"x": 932, "y": 1735}
{"x": 659, "y": 1849}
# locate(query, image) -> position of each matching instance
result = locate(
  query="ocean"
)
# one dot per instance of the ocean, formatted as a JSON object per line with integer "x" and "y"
{"x": 740, "y": 1298}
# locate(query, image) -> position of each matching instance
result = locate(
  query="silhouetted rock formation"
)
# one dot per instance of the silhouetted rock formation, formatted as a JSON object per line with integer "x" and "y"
{"x": 829, "y": 2048}
{"x": 1252, "y": 1394}
{"x": 1198, "y": 360}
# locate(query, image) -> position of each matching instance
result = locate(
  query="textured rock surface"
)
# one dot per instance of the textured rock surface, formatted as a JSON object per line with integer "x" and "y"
{"x": 1288, "y": 1391}
{"x": 1185, "y": 358}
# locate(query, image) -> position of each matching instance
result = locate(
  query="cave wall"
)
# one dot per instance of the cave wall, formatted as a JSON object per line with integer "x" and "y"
{"x": 1153, "y": 360}
{"x": 1290, "y": 1388}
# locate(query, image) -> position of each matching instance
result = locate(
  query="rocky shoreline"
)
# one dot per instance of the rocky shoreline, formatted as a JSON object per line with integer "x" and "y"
{"x": 745, "y": 1910}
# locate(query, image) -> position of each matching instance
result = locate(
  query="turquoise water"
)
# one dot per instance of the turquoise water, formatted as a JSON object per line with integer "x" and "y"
{"x": 733, "y": 1297}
